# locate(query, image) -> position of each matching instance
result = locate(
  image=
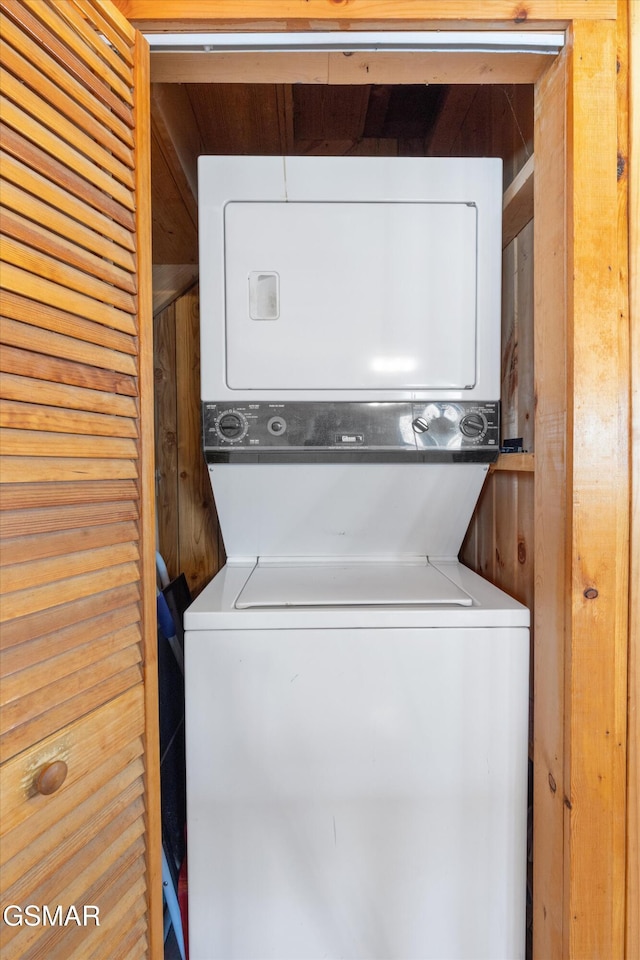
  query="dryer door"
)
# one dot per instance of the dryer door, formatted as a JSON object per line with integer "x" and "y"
{"x": 350, "y": 296}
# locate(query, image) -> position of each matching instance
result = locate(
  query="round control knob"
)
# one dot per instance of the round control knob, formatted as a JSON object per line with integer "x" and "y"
{"x": 473, "y": 425}
{"x": 277, "y": 426}
{"x": 420, "y": 425}
{"x": 231, "y": 425}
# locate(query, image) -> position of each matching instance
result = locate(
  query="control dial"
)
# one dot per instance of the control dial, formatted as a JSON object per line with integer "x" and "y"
{"x": 473, "y": 425}
{"x": 277, "y": 426}
{"x": 420, "y": 425}
{"x": 231, "y": 425}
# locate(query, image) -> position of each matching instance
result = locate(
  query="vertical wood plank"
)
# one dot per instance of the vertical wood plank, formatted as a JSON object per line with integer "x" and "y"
{"x": 506, "y": 530}
{"x": 166, "y": 407}
{"x": 525, "y": 314}
{"x": 550, "y": 481}
{"x": 189, "y": 535}
{"x": 509, "y": 344}
{"x": 524, "y": 586}
{"x": 596, "y": 665}
{"x": 197, "y": 521}
{"x": 629, "y": 85}
{"x": 284, "y": 98}
{"x": 147, "y": 499}
{"x": 517, "y": 390}
{"x": 522, "y": 104}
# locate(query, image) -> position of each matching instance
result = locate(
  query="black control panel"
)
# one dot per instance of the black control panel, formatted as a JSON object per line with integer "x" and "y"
{"x": 436, "y": 431}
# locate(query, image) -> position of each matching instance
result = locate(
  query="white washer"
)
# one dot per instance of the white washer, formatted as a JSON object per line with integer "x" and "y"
{"x": 357, "y": 774}
{"x": 356, "y": 699}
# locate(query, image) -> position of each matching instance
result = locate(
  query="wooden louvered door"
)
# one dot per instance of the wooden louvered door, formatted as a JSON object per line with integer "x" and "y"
{"x": 78, "y": 690}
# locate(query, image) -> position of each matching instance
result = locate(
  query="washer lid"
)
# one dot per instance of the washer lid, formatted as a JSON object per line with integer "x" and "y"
{"x": 344, "y": 583}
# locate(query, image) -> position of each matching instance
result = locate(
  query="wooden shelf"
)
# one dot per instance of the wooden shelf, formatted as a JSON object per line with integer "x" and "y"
{"x": 517, "y": 203}
{"x": 514, "y": 463}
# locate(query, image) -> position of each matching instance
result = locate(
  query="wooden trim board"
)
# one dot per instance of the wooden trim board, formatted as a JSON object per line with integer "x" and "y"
{"x": 146, "y": 482}
{"x": 348, "y": 68}
{"x": 300, "y": 14}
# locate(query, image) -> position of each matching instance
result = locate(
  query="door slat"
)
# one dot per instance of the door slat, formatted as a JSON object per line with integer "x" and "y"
{"x": 47, "y": 290}
{"x": 37, "y": 77}
{"x": 33, "y": 416}
{"x": 50, "y": 41}
{"x": 33, "y": 234}
{"x": 42, "y": 175}
{"x": 51, "y": 393}
{"x": 54, "y": 19}
{"x": 54, "y": 469}
{"x": 31, "y": 125}
{"x": 22, "y": 602}
{"x": 80, "y": 341}
{"x": 50, "y": 66}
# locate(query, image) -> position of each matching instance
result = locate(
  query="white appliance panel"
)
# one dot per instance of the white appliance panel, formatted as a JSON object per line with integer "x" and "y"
{"x": 357, "y": 793}
{"x": 215, "y": 608}
{"x": 357, "y": 296}
{"x": 341, "y": 510}
{"x": 348, "y": 584}
{"x": 308, "y": 353}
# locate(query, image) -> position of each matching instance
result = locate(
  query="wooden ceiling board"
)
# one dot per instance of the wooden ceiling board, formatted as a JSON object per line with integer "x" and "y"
{"x": 329, "y": 112}
{"x": 455, "y": 105}
{"x": 357, "y": 68}
{"x": 235, "y": 118}
{"x": 379, "y": 97}
{"x": 365, "y": 147}
{"x": 284, "y": 96}
{"x": 255, "y": 67}
{"x": 412, "y": 147}
{"x": 411, "y": 111}
{"x": 437, "y": 67}
{"x": 475, "y": 140}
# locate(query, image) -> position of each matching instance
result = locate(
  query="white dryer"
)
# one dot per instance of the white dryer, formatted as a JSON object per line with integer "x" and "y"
{"x": 356, "y": 699}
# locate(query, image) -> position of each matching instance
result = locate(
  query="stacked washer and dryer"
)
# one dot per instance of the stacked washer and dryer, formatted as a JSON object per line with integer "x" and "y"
{"x": 356, "y": 699}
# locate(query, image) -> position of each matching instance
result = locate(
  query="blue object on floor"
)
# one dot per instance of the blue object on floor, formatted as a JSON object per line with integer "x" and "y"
{"x": 173, "y": 917}
{"x": 167, "y": 627}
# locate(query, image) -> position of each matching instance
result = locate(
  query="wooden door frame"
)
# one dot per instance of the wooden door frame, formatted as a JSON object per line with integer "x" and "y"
{"x": 582, "y": 426}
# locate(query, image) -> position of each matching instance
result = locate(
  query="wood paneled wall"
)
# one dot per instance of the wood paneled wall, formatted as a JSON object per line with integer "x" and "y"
{"x": 500, "y": 540}
{"x": 486, "y": 121}
{"x": 189, "y": 537}
{"x": 498, "y": 121}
